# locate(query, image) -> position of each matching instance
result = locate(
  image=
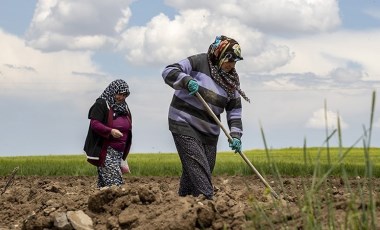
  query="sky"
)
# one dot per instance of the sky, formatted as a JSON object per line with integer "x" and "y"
{"x": 310, "y": 66}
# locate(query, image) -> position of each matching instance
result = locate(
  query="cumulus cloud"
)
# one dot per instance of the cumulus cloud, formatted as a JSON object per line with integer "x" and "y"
{"x": 92, "y": 25}
{"x": 163, "y": 40}
{"x": 77, "y": 25}
{"x": 341, "y": 59}
{"x": 273, "y": 16}
{"x": 318, "y": 120}
{"x": 32, "y": 72}
{"x": 271, "y": 57}
{"x": 291, "y": 64}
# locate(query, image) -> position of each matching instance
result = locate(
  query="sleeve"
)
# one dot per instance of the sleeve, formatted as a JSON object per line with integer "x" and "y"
{"x": 233, "y": 114}
{"x": 98, "y": 115}
{"x": 100, "y": 128}
{"x": 98, "y": 111}
{"x": 178, "y": 74}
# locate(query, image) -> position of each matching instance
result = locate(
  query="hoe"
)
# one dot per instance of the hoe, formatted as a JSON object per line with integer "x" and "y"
{"x": 230, "y": 139}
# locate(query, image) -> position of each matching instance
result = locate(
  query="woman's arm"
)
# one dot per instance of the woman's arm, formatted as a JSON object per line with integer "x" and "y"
{"x": 99, "y": 128}
{"x": 177, "y": 75}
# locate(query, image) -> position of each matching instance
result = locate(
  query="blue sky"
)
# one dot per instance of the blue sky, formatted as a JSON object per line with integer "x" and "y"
{"x": 58, "y": 56}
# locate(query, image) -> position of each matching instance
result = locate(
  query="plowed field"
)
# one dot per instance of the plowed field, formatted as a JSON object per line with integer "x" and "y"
{"x": 240, "y": 202}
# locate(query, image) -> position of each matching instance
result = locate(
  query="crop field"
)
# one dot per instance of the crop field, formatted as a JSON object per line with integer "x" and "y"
{"x": 289, "y": 161}
{"x": 318, "y": 188}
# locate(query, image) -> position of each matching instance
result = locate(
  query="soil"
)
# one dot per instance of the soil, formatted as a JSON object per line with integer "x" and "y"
{"x": 240, "y": 202}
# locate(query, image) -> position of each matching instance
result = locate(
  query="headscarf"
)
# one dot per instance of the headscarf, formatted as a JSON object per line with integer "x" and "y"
{"x": 225, "y": 49}
{"x": 116, "y": 87}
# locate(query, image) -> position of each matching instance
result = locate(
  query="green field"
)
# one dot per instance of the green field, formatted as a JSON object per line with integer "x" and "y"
{"x": 287, "y": 161}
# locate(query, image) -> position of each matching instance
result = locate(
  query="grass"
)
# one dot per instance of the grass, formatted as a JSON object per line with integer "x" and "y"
{"x": 289, "y": 162}
{"x": 318, "y": 201}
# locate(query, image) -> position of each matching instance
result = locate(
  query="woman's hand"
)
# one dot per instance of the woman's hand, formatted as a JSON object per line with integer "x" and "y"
{"x": 192, "y": 86}
{"x": 235, "y": 144}
{"x": 116, "y": 133}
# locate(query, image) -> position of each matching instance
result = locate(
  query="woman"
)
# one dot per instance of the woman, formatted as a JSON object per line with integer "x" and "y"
{"x": 194, "y": 131}
{"x": 109, "y": 136}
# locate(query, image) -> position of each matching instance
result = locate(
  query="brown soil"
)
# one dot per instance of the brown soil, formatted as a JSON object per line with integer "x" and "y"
{"x": 153, "y": 203}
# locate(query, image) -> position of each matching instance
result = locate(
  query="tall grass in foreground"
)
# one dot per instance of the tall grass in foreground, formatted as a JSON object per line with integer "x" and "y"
{"x": 319, "y": 199}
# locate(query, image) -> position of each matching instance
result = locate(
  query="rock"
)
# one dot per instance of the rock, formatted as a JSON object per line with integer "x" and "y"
{"x": 79, "y": 220}
{"x": 61, "y": 222}
{"x": 49, "y": 210}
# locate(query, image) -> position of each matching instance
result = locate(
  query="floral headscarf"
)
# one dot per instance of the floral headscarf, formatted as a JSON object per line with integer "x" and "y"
{"x": 225, "y": 49}
{"x": 116, "y": 87}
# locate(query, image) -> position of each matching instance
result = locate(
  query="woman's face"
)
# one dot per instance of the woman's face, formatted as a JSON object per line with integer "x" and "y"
{"x": 120, "y": 97}
{"x": 228, "y": 66}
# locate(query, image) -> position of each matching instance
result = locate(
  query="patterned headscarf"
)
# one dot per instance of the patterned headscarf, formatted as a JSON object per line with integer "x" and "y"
{"x": 116, "y": 87}
{"x": 225, "y": 49}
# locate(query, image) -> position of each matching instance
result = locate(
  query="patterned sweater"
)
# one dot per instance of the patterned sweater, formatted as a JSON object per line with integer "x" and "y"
{"x": 187, "y": 115}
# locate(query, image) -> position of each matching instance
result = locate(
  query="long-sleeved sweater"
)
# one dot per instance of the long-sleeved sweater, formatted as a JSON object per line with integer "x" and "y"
{"x": 187, "y": 114}
{"x": 97, "y": 142}
{"x": 121, "y": 123}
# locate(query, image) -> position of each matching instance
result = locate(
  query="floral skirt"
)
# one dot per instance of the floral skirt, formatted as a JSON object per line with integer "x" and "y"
{"x": 110, "y": 174}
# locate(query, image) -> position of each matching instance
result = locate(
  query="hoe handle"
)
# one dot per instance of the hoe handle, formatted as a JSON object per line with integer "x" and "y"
{"x": 211, "y": 113}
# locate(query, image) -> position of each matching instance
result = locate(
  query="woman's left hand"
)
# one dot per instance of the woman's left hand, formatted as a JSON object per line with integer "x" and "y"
{"x": 235, "y": 144}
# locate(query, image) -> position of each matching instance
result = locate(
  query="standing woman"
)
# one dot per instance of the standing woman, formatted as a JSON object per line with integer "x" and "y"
{"x": 194, "y": 131}
{"x": 109, "y": 136}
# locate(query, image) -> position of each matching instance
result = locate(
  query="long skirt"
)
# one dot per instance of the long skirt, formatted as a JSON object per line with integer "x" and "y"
{"x": 198, "y": 161}
{"x": 110, "y": 174}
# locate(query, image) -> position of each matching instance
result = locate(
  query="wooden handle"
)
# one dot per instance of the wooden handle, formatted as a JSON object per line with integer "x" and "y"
{"x": 211, "y": 113}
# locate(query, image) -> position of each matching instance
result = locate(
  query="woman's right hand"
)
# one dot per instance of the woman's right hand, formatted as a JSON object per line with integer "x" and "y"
{"x": 192, "y": 86}
{"x": 116, "y": 133}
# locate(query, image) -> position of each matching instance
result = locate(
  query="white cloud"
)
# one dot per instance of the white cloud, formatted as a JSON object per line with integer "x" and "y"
{"x": 164, "y": 41}
{"x": 318, "y": 120}
{"x": 123, "y": 21}
{"x": 60, "y": 25}
{"x": 272, "y": 57}
{"x": 273, "y": 15}
{"x": 24, "y": 69}
{"x": 76, "y": 25}
{"x": 348, "y": 52}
